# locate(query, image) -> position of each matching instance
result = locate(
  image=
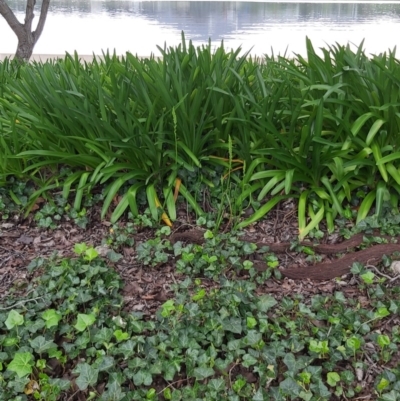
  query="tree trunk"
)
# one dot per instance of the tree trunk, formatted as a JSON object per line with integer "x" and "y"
{"x": 26, "y": 38}
{"x": 26, "y": 43}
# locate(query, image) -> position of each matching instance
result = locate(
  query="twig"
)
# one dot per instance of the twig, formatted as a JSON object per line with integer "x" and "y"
{"x": 173, "y": 278}
{"x": 230, "y": 372}
{"x": 172, "y": 384}
{"x": 379, "y": 272}
{"x": 4, "y": 261}
{"x": 73, "y": 395}
{"x": 373, "y": 366}
{"x": 20, "y": 302}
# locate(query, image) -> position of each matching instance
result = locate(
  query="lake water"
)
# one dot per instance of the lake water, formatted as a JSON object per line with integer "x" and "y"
{"x": 139, "y": 26}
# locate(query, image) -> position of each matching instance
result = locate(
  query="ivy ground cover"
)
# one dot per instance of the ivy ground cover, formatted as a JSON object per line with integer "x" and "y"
{"x": 102, "y": 163}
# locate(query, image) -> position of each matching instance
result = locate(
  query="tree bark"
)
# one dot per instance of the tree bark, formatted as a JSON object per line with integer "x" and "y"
{"x": 26, "y": 38}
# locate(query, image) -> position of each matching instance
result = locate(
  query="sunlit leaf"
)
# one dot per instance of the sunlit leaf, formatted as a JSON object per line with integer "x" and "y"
{"x": 21, "y": 364}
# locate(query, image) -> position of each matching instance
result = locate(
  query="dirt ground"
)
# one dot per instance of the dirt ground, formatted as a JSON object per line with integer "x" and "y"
{"x": 146, "y": 288}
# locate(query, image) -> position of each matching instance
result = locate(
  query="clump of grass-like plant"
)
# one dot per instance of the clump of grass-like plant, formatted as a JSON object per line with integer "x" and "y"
{"x": 322, "y": 129}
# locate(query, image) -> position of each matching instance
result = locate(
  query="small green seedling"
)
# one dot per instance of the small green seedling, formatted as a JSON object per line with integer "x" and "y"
{"x": 368, "y": 277}
{"x": 89, "y": 253}
{"x": 319, "y": 347}
{"x": 354, "y": 344}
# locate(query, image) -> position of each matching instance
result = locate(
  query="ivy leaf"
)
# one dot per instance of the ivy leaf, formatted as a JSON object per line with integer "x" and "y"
{"x": 142, "y": 377}
{"x": 14, "y": 319}
{"x": 357, "y": 268}
{"x": 253, "y": 337}
{"x": 383, "y": 383}
{"x": 208, "y": 234}
{"x": 127, "y": 348}
{"x": 10, "y": 341}
{"x": 169, "y": 371}
{"x": 113, "y": 392}
{"x": 156, "y": 367}
{"x": 113, "y": 256}
{"x": 248, "y": 360}
{"x": 217, "y": 385}
{"x": 40, "y": 344}
{"x": 34, "y": 326}
{"x": 51, "y": 317}
{"x": 368, "y": 277}
{"x": 381, "y": 312}
{"x": 265, "y": 302}
{"x": 83, "y": 297}
{"x": 305, "y": 395}
{"x": 234, "y": 345}
{"x": 332, "y": 378}
{"x": 82, "y": 341}
{"x": 104, "y": 363}
{"x": 84, "y": 321}
{"x": 137, "y": 326}
{"x": 258, "y": 396}
{"x": 233, "y": 324}
{"x": 391, "y": 396}
{"x": 203, "y": 372}
{"x": 320, "y": 389}
{"x": 383, "y": 340}
{"x": 87, "y": 376}
{"x": 290, "y": 387}
{"x": 120, "y": 335}
{"x": 80, "y": 248}
{"x": 251, "y": 322}
{"x": 137, "y": 363}
{"x": 393, "y": 306}
{"x": 305, "y": 310}
{"x": 21, "y": 364}
{"x": 17, "y": 385}
{"x": 293, "y": 364}
{"x": 339, "y": 296}
{"x": 347, "y": 376}
{"x": 199, "y": 295}
{"x": 119, "y": 321}
{"x": 103, "y": 335}
{"x": 61, "y": 384}
{"x": 353, "y": 342}
{"x": 90, "y": 254}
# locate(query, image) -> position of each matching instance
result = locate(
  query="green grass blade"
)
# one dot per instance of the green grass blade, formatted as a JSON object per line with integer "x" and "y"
{"x": 317, "y": 218}
{"x": 261, "y": 212}
{"x": 365, "y": 206}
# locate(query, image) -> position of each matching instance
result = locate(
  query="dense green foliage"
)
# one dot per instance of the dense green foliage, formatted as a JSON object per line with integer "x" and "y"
{"x": 131, "y": 133}
{"x": 321, "y": 128}
{"x": 225, "y": 342}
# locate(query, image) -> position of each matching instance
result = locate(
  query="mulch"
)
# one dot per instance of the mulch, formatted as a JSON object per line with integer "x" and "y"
{"x": 146, "y": 288}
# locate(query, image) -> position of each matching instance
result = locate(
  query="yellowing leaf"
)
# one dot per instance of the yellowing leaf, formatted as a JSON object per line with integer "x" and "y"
{"x": 31, "y": 387}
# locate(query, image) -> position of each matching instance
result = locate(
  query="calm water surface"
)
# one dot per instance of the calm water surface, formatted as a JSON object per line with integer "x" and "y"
{"x": 139, "y": 26}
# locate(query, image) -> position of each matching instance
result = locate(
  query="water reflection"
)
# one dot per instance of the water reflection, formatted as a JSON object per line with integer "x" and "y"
{"x": 108, "y": 24}
{"x": 171, "y": 12}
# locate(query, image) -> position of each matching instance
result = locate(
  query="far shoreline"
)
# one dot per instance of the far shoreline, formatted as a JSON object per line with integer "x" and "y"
{"x": 46, "y": 57}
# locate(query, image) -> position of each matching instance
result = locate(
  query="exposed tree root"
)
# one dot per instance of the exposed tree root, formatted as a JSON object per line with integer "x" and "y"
{"x": 319, "y": 271}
